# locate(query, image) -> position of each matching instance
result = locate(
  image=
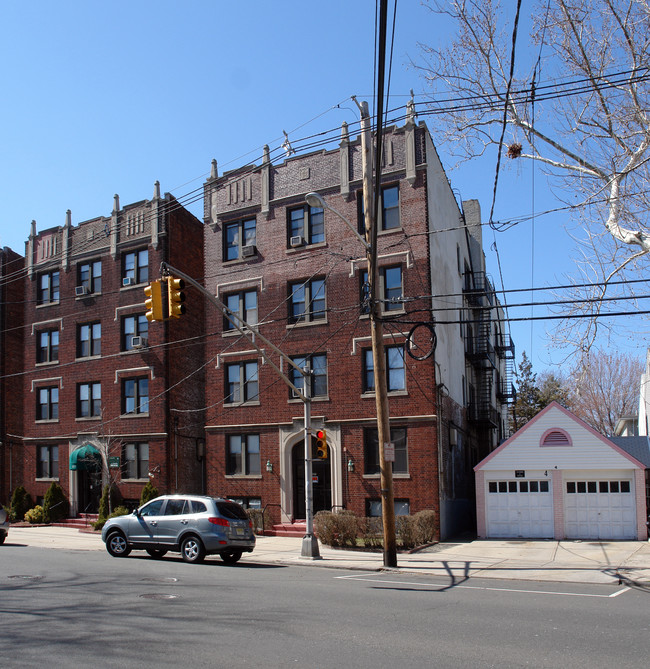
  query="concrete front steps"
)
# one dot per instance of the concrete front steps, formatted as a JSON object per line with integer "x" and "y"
{"x": 295, "y": 529}
{"x": 82, "y": 521}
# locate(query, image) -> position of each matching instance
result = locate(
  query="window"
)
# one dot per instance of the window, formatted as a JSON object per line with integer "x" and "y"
{"x": 402, "y": 507}
{"x": 371, "y": 450}
{"x": 390, "y": 291}
{"x": 395, "y": 369}
{"x": 89, "y": 340}
{"x": 243, "y": 455}
{"x": 389, "y": 208}
{"x": 89, "y": 400}
{"x": 307, "y": 301}
{"x": 133, "y": 326}
{"x": 307, "y": 223}
{"x": 236, "y": 236}
{"x": 318, "y": 364}
{"x": 90, "y": 276}
{"x": 48, "y": 288}
{"x": 47, "y": 403}
{"x": 243, "y": 305}
{"x": 135, "y": 462}
{"x": 388, "y": 213}
{"x": 248, "y": 502}
{"x": 242, "y": 383}
{"x": 136, "y": 267}
{"x": 47, "y": 348}
{"x": 135, "y": 396}
{"x": 47, "y": 464}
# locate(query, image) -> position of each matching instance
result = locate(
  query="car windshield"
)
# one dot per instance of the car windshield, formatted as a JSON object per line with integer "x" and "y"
{"x": 231, "y": 510}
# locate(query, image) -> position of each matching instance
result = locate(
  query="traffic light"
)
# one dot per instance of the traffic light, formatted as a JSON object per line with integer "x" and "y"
{"x": 321, "y": 445}
{"x": 175, "y": 297}
{"x": 153, "y": 303}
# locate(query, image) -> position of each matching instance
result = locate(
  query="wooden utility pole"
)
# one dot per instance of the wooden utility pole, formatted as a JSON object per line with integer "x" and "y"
{"x": 378, "y": 351}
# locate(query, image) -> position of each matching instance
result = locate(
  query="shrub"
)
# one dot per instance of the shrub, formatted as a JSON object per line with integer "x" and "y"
{"x": 336, "y": 529}
{"x": 425, "y": 526}
{"x": 55, "y": 504}
{"x": 405, "y": 530}
{"x": 371, "y": 531}
{"x": 261, "y": 519}
{"x": 149, "y": 492}
{"x": 105, "y": 505}
{"x": 21, "y": 503}
{"x": 35, "y": 515}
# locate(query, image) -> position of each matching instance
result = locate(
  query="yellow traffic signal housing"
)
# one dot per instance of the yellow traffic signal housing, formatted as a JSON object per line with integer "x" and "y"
{"x": 153, "y": 303}
{"x": 321, "y": 445}
{"x": 175, "y": 297}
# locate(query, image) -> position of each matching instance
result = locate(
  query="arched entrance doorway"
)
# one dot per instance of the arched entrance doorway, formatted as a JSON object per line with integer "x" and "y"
{"x": 321, "y": 478}
{"x": 87, "y": 462}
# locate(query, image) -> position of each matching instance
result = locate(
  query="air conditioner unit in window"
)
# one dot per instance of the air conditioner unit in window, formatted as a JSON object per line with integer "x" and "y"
{"x": 138, "y": 342}
{"x": 128, "y": 281}
{"x": 294, "y": 242}
{"x": 248, "y": 251}
{"x": 80, "y": 291}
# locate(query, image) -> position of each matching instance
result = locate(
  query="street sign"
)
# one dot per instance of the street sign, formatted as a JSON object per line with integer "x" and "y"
{"x": 389, "y": 452}
{"x": 114, "y": 461}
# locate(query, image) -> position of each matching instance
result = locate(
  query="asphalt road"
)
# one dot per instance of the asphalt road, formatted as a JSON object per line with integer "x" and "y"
{"x": 72, "y": 608}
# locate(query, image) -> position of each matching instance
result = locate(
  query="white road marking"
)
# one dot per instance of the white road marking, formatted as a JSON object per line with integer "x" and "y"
{"x": 476, "y": 587}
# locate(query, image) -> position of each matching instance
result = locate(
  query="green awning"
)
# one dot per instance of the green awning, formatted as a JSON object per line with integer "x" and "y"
{"x": 85, "y": 458}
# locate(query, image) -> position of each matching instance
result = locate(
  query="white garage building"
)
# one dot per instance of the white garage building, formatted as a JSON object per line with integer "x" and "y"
{"x": 558, "y": 478}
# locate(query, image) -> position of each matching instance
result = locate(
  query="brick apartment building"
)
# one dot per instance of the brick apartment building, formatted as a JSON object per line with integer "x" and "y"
{"x": 297, "y": 274}
{"x": 106, "y": 394}
{"x": 11, "y": 367}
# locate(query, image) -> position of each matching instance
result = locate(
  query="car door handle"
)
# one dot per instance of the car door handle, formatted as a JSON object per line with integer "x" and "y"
{"x": 153, "y": 522}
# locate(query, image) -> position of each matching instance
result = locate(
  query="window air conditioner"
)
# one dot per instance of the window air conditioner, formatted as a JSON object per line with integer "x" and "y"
{"x": 138, "y": 342}
{"x": 80, "y": 291}
{"x": 128, "y": 281}
{"x": 296, "y": 241}
{"x": 248, "y": 251}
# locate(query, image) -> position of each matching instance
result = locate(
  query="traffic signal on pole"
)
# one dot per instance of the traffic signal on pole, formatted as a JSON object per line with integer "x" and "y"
{"x": 321, "y": 445}
{"x": 153, "y": 303}
{"x": 175, "y": 297}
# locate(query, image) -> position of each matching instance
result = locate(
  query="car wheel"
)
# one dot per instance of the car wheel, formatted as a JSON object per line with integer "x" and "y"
{"x": 117, "y": 545}
{"x": 156, "y": 552}
{"x": 230, "y": 557}
{"x": 192, "y": 549}
{"x": 2, "y": 538}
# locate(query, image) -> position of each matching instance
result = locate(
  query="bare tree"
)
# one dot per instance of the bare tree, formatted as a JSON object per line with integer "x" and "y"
{"x": 605, "y": 387}
{"x": 577, "y": 103}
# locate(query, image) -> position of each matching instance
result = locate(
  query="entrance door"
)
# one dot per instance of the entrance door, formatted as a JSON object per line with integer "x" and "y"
{"x": 90, "y": 488}
{"x": 321, "y": 481}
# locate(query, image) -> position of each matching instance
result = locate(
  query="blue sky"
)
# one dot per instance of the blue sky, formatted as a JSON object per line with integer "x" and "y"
{"x": 105, "y": 98}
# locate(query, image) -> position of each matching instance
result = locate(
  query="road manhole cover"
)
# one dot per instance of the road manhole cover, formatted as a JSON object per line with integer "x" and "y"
{"x": 161, "y": 579}
{"x": 26, "y": 577}
{"x": 155, "y": 595}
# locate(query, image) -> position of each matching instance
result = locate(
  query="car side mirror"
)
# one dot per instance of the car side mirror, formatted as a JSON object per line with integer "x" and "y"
{"x": 136, "y": 512}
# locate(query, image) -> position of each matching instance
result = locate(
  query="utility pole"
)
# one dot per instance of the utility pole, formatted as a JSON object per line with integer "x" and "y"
{"x": 378, "y": 351}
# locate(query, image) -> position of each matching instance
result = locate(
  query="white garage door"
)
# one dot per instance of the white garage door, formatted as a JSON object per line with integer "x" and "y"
{"x": 599, "y": 509}
{"x": 519, "y": 508}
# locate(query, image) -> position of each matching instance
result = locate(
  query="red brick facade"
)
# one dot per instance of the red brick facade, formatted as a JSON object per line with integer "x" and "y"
{"x": 86, "y": 381}
{"x": 268, "y": 195}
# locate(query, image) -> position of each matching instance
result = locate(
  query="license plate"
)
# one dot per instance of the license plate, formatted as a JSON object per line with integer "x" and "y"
{"x": 239, "y": 531}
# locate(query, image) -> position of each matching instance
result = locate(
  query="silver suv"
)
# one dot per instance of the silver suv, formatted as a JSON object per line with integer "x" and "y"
{"x": 4, "y": 525}
{"x": 194, "y": 525}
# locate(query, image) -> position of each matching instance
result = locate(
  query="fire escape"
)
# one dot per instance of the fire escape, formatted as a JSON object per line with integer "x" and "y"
{"x": 492, "y": 364}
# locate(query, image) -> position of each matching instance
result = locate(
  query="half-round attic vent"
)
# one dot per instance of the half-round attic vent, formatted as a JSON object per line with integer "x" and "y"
{"x": 555, "y": 437}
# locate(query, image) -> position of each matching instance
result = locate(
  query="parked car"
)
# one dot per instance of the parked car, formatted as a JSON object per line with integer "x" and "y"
{"x": 4, "y": 526}
{"x": 193, "y": 525}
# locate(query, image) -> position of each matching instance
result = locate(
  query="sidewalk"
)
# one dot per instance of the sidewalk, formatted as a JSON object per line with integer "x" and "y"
{"x": 569, "y": 561}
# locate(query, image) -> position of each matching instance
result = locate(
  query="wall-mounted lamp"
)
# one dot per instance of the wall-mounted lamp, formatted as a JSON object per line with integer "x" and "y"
{"x": 269, "y": 466}
{"x": 200, "y": 449}
{"x": 350, "y": 465}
